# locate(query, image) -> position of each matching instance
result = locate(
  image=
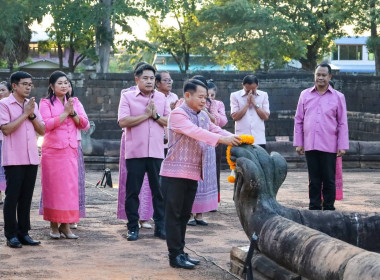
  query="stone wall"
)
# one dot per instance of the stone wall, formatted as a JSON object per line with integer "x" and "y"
{"x": 100, "y": 94}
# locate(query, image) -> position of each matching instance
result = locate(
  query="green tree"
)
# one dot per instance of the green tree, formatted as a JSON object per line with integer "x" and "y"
{"x": 247, "y": 34}
{"x": 108, "y": 14}
{"x": 15, "y": 35}
{"x": 367, "y": 18}
{"x": 268, "y": 33}
{"x": 73, "y": 30}
{"x": 178, "y": 40}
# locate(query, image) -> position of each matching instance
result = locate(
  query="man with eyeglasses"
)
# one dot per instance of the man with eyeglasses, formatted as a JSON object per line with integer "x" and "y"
{"x": 20, "y": 120}
{"x": 143, "y": 112}
{"x": 164, "y": 84}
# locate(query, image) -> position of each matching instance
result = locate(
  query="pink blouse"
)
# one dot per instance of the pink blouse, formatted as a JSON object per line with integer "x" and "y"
{"x": 61, "y": 135}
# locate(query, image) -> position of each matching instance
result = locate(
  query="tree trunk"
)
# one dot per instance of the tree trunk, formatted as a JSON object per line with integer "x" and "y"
{"x": 60, "y": 55}
{"x": 104, "y": 38}
{"x": 71, "y": 55}
{"x": 375, "y": 38}
{"x": 187, "y": 61}
{"x": 310, "y": 61}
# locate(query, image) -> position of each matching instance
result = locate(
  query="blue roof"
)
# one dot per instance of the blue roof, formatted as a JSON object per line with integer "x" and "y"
{"x": 357, "y": 68}
{"x": 351, "y": 41}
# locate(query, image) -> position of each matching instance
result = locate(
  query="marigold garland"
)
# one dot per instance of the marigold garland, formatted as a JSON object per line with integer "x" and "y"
{"x": 245, "y": 139}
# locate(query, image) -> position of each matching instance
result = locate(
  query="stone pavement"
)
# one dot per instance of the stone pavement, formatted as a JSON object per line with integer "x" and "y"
{"x": 102, "y": 252}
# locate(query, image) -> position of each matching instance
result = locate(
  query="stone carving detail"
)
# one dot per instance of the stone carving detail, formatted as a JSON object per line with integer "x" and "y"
{"x": 98, "y": 147}
{"x": 306, "y": 242}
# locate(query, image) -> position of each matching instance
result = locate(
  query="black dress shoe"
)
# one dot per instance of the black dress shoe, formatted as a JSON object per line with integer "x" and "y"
{"x": 192, "y": 222}
{"x": 27, "y": 240}
{"x": 159, "y": 232}
{"x": 14, "y": 242}
{"x": 181, "y": 262}
{"x": 193, "y": 261}
{"x": 201, "y": 222}
{"x": 132, "y": 235}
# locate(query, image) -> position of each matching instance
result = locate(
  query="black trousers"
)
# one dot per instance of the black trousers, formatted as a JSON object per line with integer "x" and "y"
{"x": 18, "y": 199}
{"x": 179, "y": 195}
{"x": 321, "y": 167}
{"x": 136, "y": 168}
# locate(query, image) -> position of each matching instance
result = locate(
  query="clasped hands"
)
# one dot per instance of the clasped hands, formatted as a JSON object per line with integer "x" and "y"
{"x": 29, "y": 107}
{"x": 69, "y": 106}
{"x": 151, "y": 110}
{"x": 251, "y": 98}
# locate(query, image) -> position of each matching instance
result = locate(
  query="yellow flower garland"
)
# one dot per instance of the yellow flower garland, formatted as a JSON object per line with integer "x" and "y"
{"x": 245, "y": 139}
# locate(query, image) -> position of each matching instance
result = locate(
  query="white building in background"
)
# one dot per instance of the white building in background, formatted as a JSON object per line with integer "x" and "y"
{"x": 351, "y": 55}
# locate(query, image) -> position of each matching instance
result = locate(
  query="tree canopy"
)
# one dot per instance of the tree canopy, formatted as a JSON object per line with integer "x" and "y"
{"x": 260, "y": 34}
{"x": 15, "y": 35}
{"x": 268, "y": 33}
{"x": 367, "y": 18}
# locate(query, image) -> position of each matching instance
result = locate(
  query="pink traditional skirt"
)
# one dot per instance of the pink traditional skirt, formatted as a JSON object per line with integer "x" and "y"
{"x": 206, "y": 198}
{"x": 145, "y": 196}
{"x": 3, "y": 184}
{"x": 339, "y": 179}
{"x": 59, "y": 179}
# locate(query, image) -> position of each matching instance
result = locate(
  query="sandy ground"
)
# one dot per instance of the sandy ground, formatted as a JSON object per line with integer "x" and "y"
{"x": 102, "y": 252}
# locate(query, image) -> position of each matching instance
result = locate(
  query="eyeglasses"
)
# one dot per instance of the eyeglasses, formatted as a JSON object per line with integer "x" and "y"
{"x": 26, "y": 84}
{"x": 167, "y": 81}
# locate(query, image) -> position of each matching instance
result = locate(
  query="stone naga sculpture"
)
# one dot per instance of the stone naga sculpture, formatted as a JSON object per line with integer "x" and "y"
{"x": 98, "y": 147}
{"x": 303, "y": 241}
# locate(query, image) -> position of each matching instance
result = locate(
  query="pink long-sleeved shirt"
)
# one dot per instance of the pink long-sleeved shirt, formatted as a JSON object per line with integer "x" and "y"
{"x": 320, "y": 122}
{"x": 189, "y": 132}
{"x": 61, "y": 135}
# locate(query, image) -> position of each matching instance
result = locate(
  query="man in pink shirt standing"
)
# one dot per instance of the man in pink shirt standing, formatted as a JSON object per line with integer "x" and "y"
{"x": 321, "y": 133}
{"x": 143, "y": 112}
{"x": 190, "y": 131}
{"x": 20, "y": 120}
{"x": 164, "y": 84}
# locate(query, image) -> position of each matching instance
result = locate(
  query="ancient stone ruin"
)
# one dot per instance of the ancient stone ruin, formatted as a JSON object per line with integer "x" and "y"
{"x": 295, "y": 243}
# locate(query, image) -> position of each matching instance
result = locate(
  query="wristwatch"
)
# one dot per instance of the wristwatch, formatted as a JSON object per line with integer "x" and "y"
{"x": 73, "y": 115}
{"x": 32, "y": 118}
{"x": 157, "y": 117}
{"x": 257, "y": 106}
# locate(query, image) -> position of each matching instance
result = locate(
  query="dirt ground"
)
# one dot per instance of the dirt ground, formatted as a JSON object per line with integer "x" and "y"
{"x": 102, "y": 251}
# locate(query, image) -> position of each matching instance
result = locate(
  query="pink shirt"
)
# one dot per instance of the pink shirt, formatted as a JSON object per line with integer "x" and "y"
{"x": 220, "y": 113}
{"x": 188, "y": 162}
{"x": 320, "y": 122}
{"x": 171, "y": 97}
{"x": 250, "y": 123}
{"x": 20, "y": 147}
{"x": 147, "y": 138}
{"x": 61, "y": 135}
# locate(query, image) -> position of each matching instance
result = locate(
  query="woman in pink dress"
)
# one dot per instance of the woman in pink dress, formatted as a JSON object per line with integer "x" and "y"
{"x": 81, "y": 170}
{"x": 62, "y": 115}
{"x": 5, "y": 91}
{"x": 220, "y": 120}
